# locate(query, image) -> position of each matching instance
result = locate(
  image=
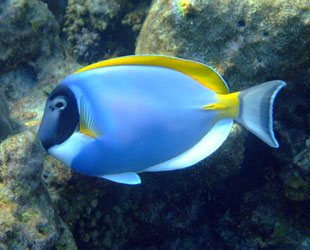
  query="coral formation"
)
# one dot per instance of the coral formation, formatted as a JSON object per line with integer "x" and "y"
{"x": 86, "y": 45}
{"x": 27, "y": 218}
{"x": 135, "y": 17}
{"x": 93, "y": 27}
{"x": 297, "y": 182}
{"x": 264, "y": 220}
{"x": 186, "y": 8}
{"x": 28, "y": 32}
{"x": 297, "y": 189}
{"x": 96, "y": 18}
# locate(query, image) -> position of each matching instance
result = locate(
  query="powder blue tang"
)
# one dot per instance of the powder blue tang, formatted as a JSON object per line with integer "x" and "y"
{"x": 114, "y": 121}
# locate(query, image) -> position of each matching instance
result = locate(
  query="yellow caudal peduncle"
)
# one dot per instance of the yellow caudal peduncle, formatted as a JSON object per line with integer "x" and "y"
{"x": 226, "y": 105}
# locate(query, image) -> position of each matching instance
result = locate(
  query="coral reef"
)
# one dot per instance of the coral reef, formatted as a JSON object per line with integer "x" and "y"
{"x": 244, "y": 196}
{"x": 135, "y": 17}
{"x": 86, "y": 45}
{"x": 95, "y": 18}
{"x": 264, "y": 219}
{"x": 296, "y": 177}
{"x": 5, "y": 127}
{"x": 117, "y": 215}
{"x": 27, "y": 217}
{"x": 28, "y": 32}
{"x": 31, "y": 222}
{"x": 98, "y": 29}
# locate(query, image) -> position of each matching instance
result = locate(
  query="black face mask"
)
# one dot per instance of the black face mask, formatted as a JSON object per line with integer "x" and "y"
{"x": 60, "y": 119}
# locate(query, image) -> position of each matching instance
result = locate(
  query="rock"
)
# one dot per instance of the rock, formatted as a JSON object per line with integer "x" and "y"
{"x": 28, "y": 32}
{"x": 247, "y": 42}
{"x": 58, "y": 8}
{"x": 27, "y": 96}
{"x": 55, "y": 176}
{"x": 27, "y": 217}
{"x": 5, "y": 127}
{"x": 18, "y": 83}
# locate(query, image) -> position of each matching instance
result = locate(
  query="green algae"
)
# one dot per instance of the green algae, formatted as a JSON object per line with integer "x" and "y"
{"x": 117, "y": 209}
{"x": 280, "y": 232}
{"x": 36, "y": 25}
{"x": 297, "y": 189}
{"x": 94, "y": 203}
{"x": 187, "y": 8}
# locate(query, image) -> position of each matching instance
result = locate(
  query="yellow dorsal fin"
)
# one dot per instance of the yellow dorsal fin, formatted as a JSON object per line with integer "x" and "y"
{"x": 88, "y": 125}
{"x": 226, "y": 105}
{"x": 198, "y": 71}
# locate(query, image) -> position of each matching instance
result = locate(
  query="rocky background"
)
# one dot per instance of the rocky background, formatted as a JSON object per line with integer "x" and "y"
{"x": 245, "y": 196}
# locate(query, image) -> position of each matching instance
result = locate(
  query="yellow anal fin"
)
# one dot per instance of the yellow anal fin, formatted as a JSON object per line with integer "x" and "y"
{"x": 226, "y": 105}
{"x": 88, "y": 125}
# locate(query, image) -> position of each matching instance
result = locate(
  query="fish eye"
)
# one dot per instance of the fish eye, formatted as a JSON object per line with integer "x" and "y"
{"x": 60, "y": 103}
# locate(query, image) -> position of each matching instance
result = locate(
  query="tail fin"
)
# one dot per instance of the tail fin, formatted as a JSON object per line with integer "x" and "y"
{"x": 255, "y": 112}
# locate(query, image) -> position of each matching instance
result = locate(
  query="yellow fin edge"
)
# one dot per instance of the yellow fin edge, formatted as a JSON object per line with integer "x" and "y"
{"x": 198, "y": 71}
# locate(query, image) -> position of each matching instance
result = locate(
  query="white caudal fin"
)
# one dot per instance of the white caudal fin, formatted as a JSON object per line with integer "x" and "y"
{"x": 255, "y": 111}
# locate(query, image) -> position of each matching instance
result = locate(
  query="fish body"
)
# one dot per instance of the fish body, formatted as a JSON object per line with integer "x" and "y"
{"x": 127, "y": 115}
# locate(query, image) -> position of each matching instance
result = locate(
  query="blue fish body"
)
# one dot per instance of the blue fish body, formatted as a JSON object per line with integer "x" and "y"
{"x": 145, "y": 120}
{"x": 131, "y": 118}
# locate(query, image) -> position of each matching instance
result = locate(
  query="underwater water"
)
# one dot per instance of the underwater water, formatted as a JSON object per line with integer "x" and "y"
{"x": 246, "y": 195}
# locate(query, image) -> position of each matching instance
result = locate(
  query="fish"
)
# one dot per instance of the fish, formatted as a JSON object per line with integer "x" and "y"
{"x": 147, "y": 113}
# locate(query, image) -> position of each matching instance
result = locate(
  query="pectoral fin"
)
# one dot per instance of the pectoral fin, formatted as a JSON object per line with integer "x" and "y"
{"x": 88, "y": 124}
